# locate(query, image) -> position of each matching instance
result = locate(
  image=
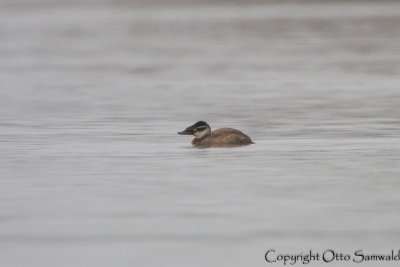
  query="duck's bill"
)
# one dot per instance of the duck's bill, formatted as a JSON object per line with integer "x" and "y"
{"x": 185, "y": 132}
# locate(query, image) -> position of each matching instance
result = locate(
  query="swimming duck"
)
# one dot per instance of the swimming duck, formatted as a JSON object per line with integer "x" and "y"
{"x": 224, "y": 137}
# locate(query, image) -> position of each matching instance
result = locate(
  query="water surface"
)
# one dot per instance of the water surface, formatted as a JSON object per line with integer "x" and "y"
{"x": 92, "y": 95}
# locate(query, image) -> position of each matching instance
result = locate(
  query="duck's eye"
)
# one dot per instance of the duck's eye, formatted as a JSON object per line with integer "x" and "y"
{"x": 200, "y": 129}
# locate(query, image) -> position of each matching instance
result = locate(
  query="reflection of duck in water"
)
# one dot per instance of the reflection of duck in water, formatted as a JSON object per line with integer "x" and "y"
{"x": 225, "y": 137}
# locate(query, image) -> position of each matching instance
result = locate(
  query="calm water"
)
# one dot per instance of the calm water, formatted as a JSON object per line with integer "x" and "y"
{"x": 92, "y": 95}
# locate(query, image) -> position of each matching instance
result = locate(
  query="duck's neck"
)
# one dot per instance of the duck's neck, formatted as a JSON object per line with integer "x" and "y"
{"x": 203, "y": 134}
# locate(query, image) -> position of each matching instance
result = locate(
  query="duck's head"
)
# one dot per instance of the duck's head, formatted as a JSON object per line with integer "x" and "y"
{"x": 200, "y": 129}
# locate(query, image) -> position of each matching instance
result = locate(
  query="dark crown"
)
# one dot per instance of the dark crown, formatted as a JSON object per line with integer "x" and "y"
{"x": 199, "y": 123}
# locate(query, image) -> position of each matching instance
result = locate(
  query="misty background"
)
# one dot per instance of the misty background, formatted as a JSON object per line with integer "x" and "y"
{"x": 92, "y": 94}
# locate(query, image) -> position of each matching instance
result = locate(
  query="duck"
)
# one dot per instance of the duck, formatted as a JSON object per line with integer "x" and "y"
{"x": 224, "y": 137}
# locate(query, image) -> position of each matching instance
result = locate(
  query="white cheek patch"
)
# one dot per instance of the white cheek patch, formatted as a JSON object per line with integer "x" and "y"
{"x": 201, "y": 134}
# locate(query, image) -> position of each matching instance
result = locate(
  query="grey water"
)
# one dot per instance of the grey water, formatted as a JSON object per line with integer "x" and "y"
{"x": 92, "y": 94}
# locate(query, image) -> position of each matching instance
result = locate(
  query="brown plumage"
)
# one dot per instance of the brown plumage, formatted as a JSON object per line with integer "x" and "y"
{"x": 225, "y": 137}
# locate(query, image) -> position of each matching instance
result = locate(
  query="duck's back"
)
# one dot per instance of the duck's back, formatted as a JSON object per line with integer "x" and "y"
{"x": 224, "y": 132}
{"x": 224, "y": 137}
